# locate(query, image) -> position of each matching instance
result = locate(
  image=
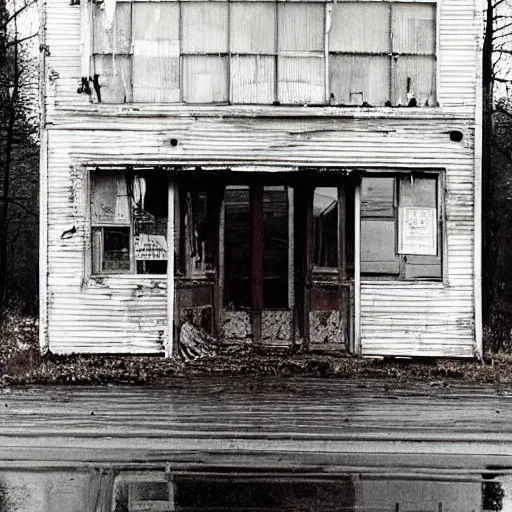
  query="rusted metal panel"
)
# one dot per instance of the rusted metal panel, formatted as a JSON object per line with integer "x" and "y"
{"x": 325, "y": 298}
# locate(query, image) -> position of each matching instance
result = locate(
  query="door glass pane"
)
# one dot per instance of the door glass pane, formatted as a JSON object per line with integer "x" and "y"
{"x": 419, "y": 192}
{"x": 275, "y": 247}
{"x": 325, "y": 227}
{"x": 238, "y": 239}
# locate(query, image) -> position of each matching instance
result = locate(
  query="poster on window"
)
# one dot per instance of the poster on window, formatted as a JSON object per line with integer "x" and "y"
{"x": 150, "y": 247}
{"x": 418, "y": 231}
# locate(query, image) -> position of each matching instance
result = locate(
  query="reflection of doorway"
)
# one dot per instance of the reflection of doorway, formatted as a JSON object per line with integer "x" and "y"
{"x": 258, "y": 259}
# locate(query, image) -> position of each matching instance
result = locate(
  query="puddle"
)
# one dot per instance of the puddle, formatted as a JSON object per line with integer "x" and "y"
{"x": 162, "y": 490}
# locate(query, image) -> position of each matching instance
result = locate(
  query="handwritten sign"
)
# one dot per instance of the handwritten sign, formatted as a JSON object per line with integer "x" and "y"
{"x": 418, "y": 231}
{"x": 150, "y": 247}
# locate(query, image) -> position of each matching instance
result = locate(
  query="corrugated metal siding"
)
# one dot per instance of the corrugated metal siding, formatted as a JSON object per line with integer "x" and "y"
{"x": 458, "y": 27}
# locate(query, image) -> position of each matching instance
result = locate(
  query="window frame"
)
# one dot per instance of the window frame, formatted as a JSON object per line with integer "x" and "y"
{"x": 92, "y": 270}
{"x": 278, "y": 56}
{"x": 185, "y": 265}
{"x": 440, "y": 176}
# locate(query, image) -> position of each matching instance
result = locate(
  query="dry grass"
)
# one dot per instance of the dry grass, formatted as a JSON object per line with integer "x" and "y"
{"x": 21, "y": 363}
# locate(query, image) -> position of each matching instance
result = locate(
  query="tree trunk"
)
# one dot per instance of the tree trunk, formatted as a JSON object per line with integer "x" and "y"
{"x": 489, "y": 231}
{"x": 6, "y": 181}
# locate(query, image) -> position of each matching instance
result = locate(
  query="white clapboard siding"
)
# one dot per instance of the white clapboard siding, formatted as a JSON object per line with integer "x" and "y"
{"x": 128, "y": 313}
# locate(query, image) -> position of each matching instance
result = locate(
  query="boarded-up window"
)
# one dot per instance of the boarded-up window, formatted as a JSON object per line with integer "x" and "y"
{"x": 260, "y": 52}
{"x": 420, "y": 227}
{"x": 129, "y": 222}
{"x": 378, "y": 226}
{"x": 382, "y": 53}
{"x": 401, "y": 226}
{"x": 112, "y": 53}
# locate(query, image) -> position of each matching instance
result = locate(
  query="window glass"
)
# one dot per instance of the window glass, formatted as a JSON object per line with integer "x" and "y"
{"x": 301, "y": 26}
{"x": 378, "y": 197}
{"x": 360, "y": 27}
{"x": 129, "y": 214}
{"x": 378, "y": 246}
{"x": 275, "y": 247}
{"x": 205, "y": 79}
{"x": 116, "y": 249}
{"x": 414, "y": 28}
{"x": 196, "y": 230}
{"x": 149, "y": 194}
{"x": 355, "y": 79}
{"x": 204, "y": 27}
{"x": 409, "y": 234}
{"x": 237, "y": 249}
{"x": 259, "y": 22}
{"x": 325, "y": 227}
{"x": 156, "y": 52}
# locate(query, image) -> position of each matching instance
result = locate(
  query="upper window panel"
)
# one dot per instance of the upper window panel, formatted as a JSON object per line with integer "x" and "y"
{"x": 370, "y": 53}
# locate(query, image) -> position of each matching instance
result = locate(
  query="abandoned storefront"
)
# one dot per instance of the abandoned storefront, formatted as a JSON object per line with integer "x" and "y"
{"x": 268, "y": 256}
{"x": 273, "y": 172}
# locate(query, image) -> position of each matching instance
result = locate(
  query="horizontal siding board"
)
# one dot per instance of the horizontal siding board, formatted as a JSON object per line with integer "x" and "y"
{"x": 407, "y": 318}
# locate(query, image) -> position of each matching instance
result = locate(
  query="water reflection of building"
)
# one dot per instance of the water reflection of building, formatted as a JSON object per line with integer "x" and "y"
{"x": 111, "y": 490}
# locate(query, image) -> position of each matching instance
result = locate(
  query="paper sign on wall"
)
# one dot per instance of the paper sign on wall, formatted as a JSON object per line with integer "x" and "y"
{"x": 150, "y": 247}
{"x": 418, "y": 231}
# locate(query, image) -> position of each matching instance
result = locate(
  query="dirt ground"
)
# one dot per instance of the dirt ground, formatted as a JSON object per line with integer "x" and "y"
{"x": 21, "y": 363}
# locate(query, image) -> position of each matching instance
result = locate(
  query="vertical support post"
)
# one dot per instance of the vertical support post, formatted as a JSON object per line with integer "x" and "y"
{"x": 169, "y": 349}
{"x": 218, "y": 304}
{"x": 357, "y": 270}
{"x": 291, "y": 260}
{"x": 257, "y": 260}
{"x": 478, "y": 203}
{"x": 309, "y": 265}
{"x": 43, "y": 245}
{"x": 342, "y": 230}
{"x": 343, "y": 291}
{"x": 85, "y": 39}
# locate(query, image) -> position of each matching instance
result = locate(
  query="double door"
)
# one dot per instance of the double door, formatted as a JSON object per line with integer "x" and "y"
{"x": 284, "y": 266}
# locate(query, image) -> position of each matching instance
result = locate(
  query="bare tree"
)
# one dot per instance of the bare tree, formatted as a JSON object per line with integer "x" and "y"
{"x": 496, "y": 160}
{"x": 18, "y": 133}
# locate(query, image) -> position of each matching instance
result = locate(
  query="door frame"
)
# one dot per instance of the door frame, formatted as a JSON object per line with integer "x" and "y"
{"x": 300, "y": 192}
